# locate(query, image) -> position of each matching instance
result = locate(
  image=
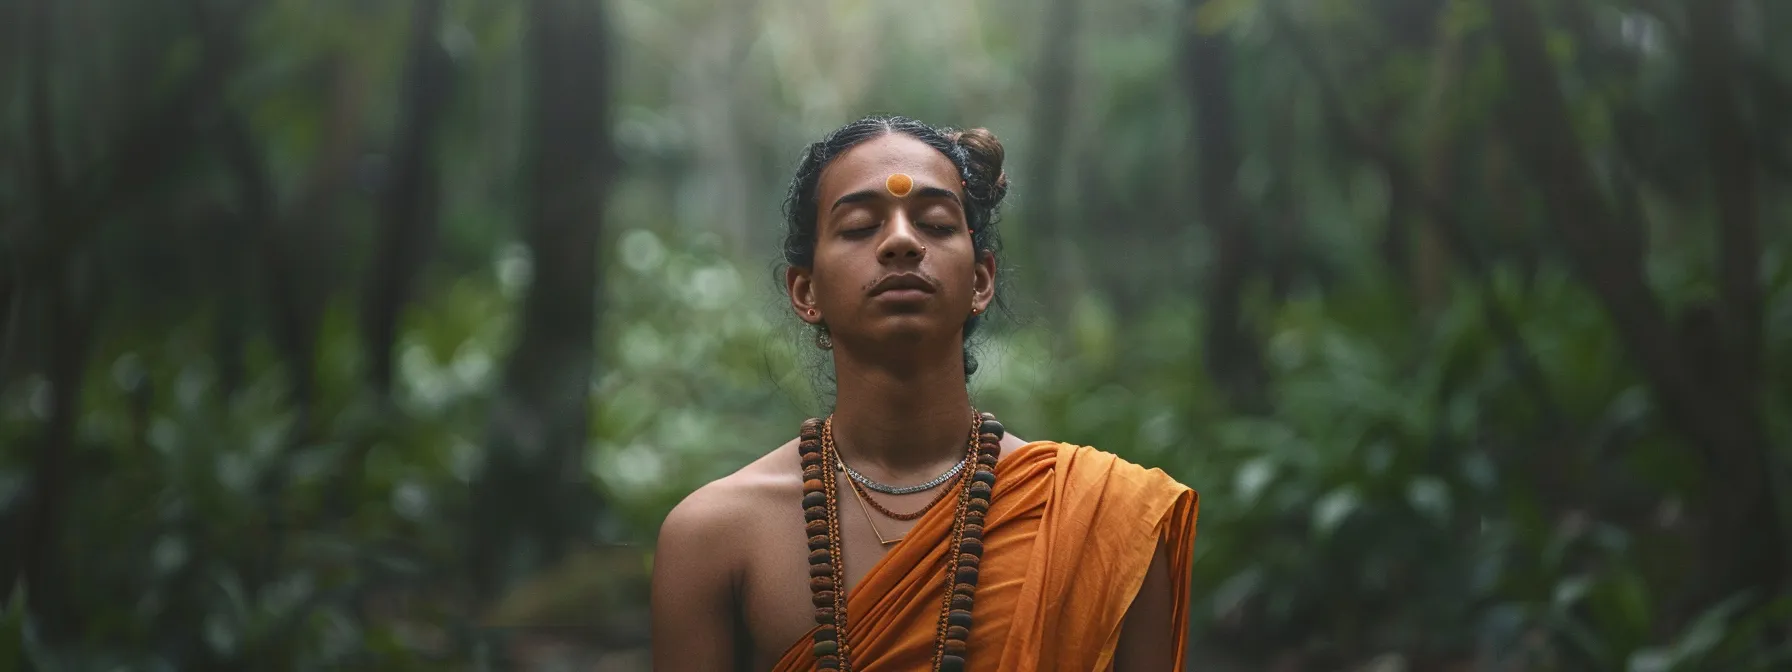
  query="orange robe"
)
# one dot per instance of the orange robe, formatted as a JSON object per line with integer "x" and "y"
{"x": 1068, "y": 538}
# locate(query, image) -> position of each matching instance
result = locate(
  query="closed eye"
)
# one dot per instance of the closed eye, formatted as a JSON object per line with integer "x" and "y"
{"x": 857, "y": 223}
{"x": 938, "y": 216}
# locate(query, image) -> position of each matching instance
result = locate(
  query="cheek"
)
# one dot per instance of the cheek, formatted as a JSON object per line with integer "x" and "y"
{"x": 832, "y": 275}
{"x": 961, "y": 278}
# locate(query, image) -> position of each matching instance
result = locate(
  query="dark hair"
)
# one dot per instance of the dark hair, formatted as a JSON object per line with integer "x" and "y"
{"x": 975, "y": 152}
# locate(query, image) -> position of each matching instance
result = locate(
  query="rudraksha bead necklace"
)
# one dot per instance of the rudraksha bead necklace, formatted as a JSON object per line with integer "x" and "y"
{"x": 827, "y": 571}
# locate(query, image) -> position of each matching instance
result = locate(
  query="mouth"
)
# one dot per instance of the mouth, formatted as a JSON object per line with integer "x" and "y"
{"x": 904, "y": 285}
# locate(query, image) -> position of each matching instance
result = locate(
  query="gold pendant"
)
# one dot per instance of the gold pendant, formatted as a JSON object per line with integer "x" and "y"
{"x": 866, "y": 511}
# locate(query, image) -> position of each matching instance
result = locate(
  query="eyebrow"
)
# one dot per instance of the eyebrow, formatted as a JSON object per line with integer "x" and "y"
{"x": 873, "y": 194}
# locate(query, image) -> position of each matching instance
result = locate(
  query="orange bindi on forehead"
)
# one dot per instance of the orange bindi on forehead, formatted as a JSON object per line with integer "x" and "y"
{"x": 899, "y": 184}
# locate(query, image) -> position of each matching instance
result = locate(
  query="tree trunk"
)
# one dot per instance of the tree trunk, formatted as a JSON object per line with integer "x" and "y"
{"x": 1286, "y": 247}
{"x": 727, "y": 134}
{"x": 413, "y": 195}
{"x": 12, "y": 309}
{"x": 1395, "y": 248}
{"x": 294, "y": 243}
{"x": 66, "y": 342}
{"x": 1734, "y": 177}
{"x": 1053, "y": 81}
{"x": 1431, "y": 262}
{"x": 539, "y": 425}
{"x": 1233, "y": 355}
{"x": 1445, "y": 219}
{"x": 1733, "y": 170}
{"x": 1704, "y": 391}
{"x": 296, "y": 271}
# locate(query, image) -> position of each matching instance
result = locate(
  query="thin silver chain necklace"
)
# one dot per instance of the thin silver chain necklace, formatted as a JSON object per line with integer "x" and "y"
{"x": 902, "y": 490}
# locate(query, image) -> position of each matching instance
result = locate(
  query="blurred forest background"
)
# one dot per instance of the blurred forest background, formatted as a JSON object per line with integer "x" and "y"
{"x": 380, "y": 334}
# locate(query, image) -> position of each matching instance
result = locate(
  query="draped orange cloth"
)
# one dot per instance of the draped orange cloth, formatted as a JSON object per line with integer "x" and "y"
{"x": 1070, "y": 533}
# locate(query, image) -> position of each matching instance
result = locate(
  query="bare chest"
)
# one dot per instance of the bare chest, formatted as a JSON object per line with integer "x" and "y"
{"x": 776, "y": 603}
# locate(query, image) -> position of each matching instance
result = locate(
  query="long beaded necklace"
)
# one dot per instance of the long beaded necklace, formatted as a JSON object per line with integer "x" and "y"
{"x": 827, "y": 574}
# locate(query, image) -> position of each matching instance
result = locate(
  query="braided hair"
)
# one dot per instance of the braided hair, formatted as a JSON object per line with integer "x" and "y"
{"x": 977, "y": 155}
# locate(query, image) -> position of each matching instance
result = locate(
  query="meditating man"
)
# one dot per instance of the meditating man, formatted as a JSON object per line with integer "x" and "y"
{"x": 906, "y": 530}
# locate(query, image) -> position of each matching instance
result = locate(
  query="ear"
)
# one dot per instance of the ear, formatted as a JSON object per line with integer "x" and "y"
{"x": 983, "y": 282}
{"x": 799, "y": 286}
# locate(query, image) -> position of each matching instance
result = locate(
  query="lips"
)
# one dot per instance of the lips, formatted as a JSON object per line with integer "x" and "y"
{"x": 902, "y": 282}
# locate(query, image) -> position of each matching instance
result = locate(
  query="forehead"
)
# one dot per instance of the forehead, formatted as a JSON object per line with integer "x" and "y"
{"x": 869, "y": 163}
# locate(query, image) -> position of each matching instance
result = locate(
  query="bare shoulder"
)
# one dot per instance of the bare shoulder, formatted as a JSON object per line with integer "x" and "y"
{"x": 702, "y": 542}
{"x": 723, "y": 505}
{"x": 703, "y": 557}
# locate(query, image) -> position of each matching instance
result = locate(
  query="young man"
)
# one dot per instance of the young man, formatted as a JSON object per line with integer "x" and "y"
{"x": 905, "y": 531}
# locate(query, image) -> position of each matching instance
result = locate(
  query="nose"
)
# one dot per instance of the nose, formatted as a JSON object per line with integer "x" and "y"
{"x": 901, "y": 241}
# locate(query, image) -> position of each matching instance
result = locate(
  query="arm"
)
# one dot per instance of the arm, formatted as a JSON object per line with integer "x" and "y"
{"x": 693, "y": 588}
{"x": 1146, "y": 641}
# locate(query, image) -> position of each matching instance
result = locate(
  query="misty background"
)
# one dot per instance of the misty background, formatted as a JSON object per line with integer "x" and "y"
{"x": 381, "y": 334}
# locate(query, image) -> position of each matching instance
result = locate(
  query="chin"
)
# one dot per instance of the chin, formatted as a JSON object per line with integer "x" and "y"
{"x": 911, "y": 330}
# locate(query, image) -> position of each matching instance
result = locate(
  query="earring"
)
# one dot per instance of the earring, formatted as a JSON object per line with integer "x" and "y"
{"x": 823, "y": 340}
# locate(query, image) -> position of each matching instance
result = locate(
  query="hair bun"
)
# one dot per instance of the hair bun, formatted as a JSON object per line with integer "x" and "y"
{"x": 984, "y": 153}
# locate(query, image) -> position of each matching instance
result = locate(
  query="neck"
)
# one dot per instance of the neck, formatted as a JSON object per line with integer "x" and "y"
{"x": 901, "y": 419}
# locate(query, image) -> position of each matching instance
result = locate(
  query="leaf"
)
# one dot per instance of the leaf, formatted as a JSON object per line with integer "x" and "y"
{"x": 1252, "y": 477}
{"x": 1332, "y": 509}
{"x": 1650, "y": 660}
{"x": 1431, "y": 497}
{"x": 1724, "y": 636}
{"x": 1569, "y": 591}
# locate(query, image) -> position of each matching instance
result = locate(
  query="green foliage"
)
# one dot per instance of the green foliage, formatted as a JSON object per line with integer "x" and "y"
{"x": 1411, "y": 495}
{"x": 1387, "y": 505}
{"x": 1393, "y": 501}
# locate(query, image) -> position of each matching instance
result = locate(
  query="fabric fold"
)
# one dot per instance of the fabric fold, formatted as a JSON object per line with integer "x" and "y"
{"x": 1069, "y": 536}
